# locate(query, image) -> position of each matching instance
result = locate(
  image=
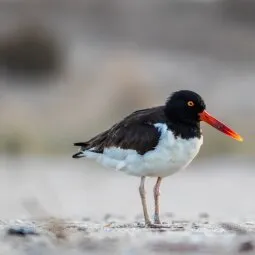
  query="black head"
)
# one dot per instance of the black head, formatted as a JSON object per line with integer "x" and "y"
{"x": 184, "y": 106}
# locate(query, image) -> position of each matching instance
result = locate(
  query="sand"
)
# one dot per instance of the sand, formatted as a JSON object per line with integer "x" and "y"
{"x": 55, "y": 236}
{"x": 61, "y": 206}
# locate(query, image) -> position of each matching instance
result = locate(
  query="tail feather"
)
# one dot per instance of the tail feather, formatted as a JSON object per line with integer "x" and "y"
{"x": 78, "y": 155}
{"x": 80, "y": 144}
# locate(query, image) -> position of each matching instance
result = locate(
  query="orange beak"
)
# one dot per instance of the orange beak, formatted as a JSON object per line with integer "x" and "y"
{"x": 206, "y": 117}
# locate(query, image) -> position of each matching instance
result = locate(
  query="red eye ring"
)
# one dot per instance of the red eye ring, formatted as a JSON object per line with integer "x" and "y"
{"x": 190, "y": 103}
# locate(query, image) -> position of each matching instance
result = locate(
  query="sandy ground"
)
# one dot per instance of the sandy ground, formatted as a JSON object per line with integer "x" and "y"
{"x": 65, "y": 206}
{"x": 53, "y": 236}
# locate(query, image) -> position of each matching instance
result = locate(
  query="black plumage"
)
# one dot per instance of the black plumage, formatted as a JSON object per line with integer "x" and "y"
{"x": 136, "y": 131}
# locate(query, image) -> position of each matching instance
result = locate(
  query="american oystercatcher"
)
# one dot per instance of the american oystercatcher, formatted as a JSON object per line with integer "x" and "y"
{"x": 154, "y": 142}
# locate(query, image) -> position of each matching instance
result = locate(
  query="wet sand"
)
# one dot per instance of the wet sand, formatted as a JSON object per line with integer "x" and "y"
{"x": 53, "y": 206}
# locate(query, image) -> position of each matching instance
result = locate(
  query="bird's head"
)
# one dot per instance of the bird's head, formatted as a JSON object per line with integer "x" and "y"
{"x": 187, "y": 107}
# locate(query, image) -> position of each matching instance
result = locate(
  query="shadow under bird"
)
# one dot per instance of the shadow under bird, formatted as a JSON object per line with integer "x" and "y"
{"x": 154, "y": 142}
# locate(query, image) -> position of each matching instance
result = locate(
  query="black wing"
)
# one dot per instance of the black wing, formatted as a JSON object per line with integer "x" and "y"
{"x": 136, "y": 131}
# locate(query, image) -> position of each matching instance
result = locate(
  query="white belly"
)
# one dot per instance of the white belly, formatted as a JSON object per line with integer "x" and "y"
{"x": 169, "y": 156}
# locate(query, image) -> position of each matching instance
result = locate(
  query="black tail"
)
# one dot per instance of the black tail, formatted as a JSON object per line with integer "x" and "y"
{"x": 80, "y": 144}
{"x": 78, "y": 155}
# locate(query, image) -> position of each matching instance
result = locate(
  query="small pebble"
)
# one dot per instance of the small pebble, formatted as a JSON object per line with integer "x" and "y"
{"x": 246, "y": 246}
{"x": 22, "y": 231}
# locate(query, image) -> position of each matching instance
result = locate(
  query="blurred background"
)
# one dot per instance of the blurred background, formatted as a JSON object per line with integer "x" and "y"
{"x": 70, "y": 69}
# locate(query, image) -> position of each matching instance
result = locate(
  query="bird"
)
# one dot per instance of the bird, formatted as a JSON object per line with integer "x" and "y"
{"x": 154, "y": 142}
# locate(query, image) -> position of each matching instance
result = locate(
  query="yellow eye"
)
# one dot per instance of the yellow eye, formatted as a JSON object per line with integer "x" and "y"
{"x": 190, "y": 103}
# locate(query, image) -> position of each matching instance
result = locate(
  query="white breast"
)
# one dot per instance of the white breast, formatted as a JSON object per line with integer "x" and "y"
{"x": 169, "y": 156}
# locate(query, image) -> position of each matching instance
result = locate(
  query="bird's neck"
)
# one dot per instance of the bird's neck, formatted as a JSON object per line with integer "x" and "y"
{"x": 185, "y": 130}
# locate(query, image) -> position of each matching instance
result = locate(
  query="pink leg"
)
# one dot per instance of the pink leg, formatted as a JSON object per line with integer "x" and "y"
{"x": 143, "y": 199}
{"x": 156, "y": 199}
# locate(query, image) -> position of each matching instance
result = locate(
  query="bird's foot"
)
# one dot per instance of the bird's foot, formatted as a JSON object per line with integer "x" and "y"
{"x": 157, "y": 225}
{"x": 156, "y": 219}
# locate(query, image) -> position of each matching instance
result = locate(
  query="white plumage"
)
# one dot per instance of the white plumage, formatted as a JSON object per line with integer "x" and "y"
{"x": 169, "y": 156}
